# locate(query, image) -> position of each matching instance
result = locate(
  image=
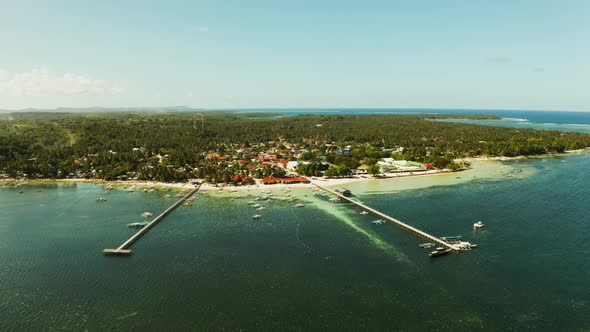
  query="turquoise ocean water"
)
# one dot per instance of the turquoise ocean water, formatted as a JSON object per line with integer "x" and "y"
{"x": 324, "y": 266}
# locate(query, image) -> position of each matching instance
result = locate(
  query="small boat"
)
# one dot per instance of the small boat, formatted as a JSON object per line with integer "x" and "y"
{"x": 256, "y": 206}
{"x": 364, "y": 213}
{"x": 233, "y": 190}
{"x": 473, "y": 245}
{"x": 138, "y": 224}
{"x": 101, "y": 199}
{"x": 463, "y": 245}
{"x": 478, "y": 224}
{"x": 426, "y": 245}
{"x": 192, "y": 199}
{"x": 378, "y": 222}
{"x": 187, "y": 205}
{"x": 438, "y": 252}
{"x": 256, "y": 216}
{"x": 334, "y": 200}
{"x": 299, "y": 205}
{"x": 147, "y": 214}
{"x": 167, "y": 196}
{"x": 260, "y": 208}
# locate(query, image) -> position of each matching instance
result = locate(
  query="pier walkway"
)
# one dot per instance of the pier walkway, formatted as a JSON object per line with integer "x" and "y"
{"x": 391, "y": 219}
{"x": 124, "y": 250}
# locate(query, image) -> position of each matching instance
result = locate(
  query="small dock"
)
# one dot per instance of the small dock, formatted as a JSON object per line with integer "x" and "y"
{"x": 123, "y": 249}
{"x": 393, "y": 220}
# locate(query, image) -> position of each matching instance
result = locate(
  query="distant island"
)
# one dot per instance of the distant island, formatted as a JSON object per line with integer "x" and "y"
{"x": 237, "y": 148}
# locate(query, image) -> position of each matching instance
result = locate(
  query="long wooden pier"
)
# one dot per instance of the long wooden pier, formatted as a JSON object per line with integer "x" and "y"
{"x": 123, "y": 249}
{"x": 391, "y": 219}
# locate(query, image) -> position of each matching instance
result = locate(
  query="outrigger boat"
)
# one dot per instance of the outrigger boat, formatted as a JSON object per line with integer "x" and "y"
{"x": 138, "y": 224}
{"x": 440, "y": 251}
{"x": 427, "y": 245}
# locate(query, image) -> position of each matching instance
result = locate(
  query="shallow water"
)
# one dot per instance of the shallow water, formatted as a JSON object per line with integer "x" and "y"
{"x": 318, "y": 267}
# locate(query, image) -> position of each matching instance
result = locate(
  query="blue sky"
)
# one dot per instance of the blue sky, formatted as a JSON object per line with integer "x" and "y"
{"x": 233, "y": 54}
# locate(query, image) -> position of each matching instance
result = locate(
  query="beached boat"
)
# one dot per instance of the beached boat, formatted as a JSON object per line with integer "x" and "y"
{"x": 147, "y": 214}
{"x": 256, "y": 216}
{"x": 478, "y": 224}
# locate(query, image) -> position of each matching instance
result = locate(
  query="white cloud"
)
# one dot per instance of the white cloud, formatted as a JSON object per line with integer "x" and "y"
{"x": 41, "y": 82}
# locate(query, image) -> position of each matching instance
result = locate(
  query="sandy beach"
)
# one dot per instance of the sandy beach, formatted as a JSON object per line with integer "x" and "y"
{"x": 476, "y": 164}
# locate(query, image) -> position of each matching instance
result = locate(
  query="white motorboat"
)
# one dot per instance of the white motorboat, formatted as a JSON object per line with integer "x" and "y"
{"x": 478, "y": 224}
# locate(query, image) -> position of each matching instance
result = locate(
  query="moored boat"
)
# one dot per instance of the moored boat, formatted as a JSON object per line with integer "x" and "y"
{"x": 138, "y": 224}
{"x": 256, "y": 216}
{"x": 478, "y": 224}
{"x": 438, "y": 252}
{"x": 427, "y": 245}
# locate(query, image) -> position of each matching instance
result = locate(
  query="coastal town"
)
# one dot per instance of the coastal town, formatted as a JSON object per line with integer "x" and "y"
{"x": 268, "y": 163}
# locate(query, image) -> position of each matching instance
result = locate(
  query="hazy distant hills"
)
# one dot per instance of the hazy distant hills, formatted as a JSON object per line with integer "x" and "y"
{"x": 106, "y": 110}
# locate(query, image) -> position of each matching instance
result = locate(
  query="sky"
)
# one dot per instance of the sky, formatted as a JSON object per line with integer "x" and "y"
{"x": 496, "y": 54}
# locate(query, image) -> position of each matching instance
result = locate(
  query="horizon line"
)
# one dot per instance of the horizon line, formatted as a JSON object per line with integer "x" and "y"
{"x": 182, "y": 107}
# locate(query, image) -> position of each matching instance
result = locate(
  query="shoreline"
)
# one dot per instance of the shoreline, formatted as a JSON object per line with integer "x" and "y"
{"x": 328, "y": 182}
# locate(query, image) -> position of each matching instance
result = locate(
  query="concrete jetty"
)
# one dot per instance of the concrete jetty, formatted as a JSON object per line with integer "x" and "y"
{"x": 123, "y": 249}
{"x": 393, "y": 220}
